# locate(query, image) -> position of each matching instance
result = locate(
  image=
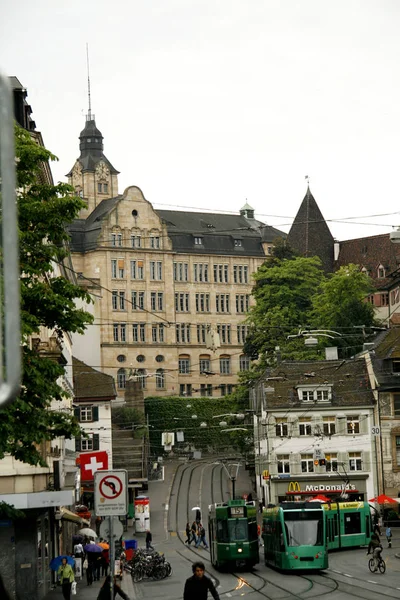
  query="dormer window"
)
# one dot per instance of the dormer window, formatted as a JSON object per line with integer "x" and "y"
{"x": 381, "y": 272}
{"x": 198, "y": 241}
{"x": 315, "y": 393}
{"x": 237, "y": 243}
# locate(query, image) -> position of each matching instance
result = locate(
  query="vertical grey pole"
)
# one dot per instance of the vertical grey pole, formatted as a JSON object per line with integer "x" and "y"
{"x": 233, "y": 487}
{"x": 112, "y": 556}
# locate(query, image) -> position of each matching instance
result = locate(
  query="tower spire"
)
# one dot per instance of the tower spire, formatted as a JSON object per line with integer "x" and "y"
{"x": 89, "y": 116}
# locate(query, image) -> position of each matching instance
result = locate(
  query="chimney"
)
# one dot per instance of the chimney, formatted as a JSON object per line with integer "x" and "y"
{"x": 331, "y": 353}
{"x": 336, "y": 250}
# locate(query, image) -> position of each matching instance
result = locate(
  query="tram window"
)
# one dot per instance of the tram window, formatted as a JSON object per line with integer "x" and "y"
{"x": 222, "y": 531}
{"x": 253, "y": 530}
{"x": 304, "y": 528}
{"x": 352, "y": 523}
{"x": 367, "y": 525}
{"x": 238, "y": 529}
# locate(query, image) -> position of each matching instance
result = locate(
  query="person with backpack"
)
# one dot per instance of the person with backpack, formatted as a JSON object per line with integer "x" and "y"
{"x": 202, "y": 537}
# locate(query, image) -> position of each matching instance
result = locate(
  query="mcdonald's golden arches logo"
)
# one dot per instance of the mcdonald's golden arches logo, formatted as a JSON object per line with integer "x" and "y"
{"x": 294, "y": 487}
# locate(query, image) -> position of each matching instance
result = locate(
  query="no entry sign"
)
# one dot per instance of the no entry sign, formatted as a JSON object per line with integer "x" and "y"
{"x": 111, "y": 493}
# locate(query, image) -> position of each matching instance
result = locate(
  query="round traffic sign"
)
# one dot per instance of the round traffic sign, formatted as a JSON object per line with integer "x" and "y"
{"x": 110, "y": 487}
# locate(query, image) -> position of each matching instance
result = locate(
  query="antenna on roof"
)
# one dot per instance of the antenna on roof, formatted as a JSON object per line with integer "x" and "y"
{"x": 89, "y": 115}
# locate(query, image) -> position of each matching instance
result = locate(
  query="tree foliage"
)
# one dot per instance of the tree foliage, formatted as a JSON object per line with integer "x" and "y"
{"x": 47, "y": 301}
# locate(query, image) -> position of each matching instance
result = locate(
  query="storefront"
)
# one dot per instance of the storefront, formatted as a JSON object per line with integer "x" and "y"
{"x": 301, "y": 488}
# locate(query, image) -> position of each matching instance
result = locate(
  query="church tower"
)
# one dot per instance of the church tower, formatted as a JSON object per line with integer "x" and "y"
{"x": 310, "y": 234}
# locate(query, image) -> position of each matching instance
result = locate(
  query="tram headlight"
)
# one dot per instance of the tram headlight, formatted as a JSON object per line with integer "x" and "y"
{"x": 240, "y": 550}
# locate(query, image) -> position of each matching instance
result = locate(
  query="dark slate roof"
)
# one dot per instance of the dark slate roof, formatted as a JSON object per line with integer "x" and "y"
{"x": 310, "y": 235}
{"x": 90, "y": 384}
{"x": 91, "y": 147}
{"x": 85, "y": 233}
{"x": 349, "y": 379}
{"x": 388, "y": 345}
{"x": 370, "y": 252}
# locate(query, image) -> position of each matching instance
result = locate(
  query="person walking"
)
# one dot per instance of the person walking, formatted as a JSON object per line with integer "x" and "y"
{"x": 149, "y": 539}
{"x": 105, "y": 591}
{"x": 202, "y": 537}
{"x": 198, "y": 586}
{"x": 88, "y": 570}
{"x": 66, "y": 575}
{"x": 388, "y": 534}
{"x": 194, "y": 532}
{"x": 79, "y": 551}
{"x": 188, "y": 534}
{"x": 105, "y": 563}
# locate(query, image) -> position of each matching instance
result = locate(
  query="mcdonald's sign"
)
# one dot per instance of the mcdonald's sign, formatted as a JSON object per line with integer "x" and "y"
{"x": 294, "y": 487}
{"x": 265, "y": 474}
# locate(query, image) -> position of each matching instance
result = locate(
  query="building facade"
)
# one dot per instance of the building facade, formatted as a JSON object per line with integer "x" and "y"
{"x": 312, "y": 424}
{"x": 164, "y": 278}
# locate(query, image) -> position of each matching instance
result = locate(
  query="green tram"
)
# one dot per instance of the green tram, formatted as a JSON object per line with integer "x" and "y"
{"x": 348, "y": 524}
{"x": 294, "y": 535}
{"x": 233, "y": 535}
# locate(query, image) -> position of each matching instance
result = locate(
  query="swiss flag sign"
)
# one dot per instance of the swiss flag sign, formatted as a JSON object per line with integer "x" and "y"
{"x": 92, "y": 462}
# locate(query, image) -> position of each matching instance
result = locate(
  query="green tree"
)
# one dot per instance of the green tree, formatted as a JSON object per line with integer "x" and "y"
{"x": 46, "y": 301}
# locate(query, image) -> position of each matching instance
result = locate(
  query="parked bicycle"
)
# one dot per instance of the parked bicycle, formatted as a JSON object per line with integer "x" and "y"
{"x": 148, "y": 564}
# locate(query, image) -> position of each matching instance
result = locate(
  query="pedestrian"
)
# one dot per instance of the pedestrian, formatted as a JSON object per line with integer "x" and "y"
{"x": 250, "y": 497}
{"x": 91, "y": 570}
{"x": 149, "y": 539}
{"x": 188, "y": 534}
{"x": 198, "y": 517}
{"x": 105, "y": 590}
{"x": 89, "y": 573}
{"x": 66, "y": 575}
{"x": 261, "y": 505}
{"x": 389, "y": 536}
{"x": 78, "y": 551}
{"x": 198, "y": 586}
{"x": 202, "y": 537}
{"x": 194, "y": 532}
{"x": 105, "y": 562}
{"x": 97, "y": 567}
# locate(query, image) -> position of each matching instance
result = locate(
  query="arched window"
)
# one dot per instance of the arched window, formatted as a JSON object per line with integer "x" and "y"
{"x": 225, "y": 364}
{"x": 184, "y": 364}
{"x": 205, "y": 364}
{"x": 121, "y": 379}
{"x": 155, "y": 239}
{"x": 136, "y": 238}
{"x": 381, "y": 272}
{"x": 142, "y": 378}
{"x": 160, "y": 379}
{"x": 244, "y": 362}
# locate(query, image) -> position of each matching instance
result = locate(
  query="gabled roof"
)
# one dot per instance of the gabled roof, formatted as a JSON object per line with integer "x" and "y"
{"x": 309, "y": 233}
{"x": 349, "y": 380}
{"x": 371, "y": 252}
{"x": 90, "y": 384}
{"x": 388, "y": 344}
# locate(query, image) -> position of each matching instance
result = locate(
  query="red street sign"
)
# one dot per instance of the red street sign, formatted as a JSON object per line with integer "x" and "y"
{"x": 91, "y": 462}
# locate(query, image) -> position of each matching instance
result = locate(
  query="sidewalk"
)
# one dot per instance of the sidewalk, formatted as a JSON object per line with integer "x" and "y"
{"x": 90, "y": 592}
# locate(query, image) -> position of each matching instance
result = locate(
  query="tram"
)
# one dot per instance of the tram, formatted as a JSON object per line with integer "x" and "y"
{"x": 348, "y": 524}
{"x": 233, "y": 535}
{"x": 294, "y": 535}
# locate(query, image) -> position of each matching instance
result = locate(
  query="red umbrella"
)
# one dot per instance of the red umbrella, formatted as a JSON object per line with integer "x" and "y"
{"x": 320, "y": 498}
{"x": 383, "y": 499}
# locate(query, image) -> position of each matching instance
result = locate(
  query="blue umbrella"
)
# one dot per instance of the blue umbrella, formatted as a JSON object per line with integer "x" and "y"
{"x": 56, "y": 562}
{"x": 92, "y": 548}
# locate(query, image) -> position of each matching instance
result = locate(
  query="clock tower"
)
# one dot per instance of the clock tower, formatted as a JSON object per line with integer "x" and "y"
{"x": 92, "y": 176}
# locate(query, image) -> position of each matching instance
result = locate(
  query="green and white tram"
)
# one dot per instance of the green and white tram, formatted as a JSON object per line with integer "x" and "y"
{"x": 348, "y": 524}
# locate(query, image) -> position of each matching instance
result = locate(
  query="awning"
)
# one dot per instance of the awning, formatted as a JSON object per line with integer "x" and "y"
{"x": 68, "y": 515}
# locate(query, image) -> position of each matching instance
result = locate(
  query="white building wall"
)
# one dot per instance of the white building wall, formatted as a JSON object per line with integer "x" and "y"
{"x": 87, "y": 346}
{"x": 102, "y": 427}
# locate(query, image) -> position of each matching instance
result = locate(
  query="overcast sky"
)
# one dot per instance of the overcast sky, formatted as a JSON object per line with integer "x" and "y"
{"x": 204, "y": 103}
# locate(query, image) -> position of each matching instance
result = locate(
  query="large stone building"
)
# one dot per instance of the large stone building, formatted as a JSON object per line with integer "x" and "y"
{"x": 164, "y": 277}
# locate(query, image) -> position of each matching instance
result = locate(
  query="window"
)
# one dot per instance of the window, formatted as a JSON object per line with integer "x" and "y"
{"x": 396, "y": 404}
{"x": 244, "y": 362}
{"x": 240, "y": 273}
{"x": 137, "y": 269}
{"x": 205, "y": 365}
{"x": 222, "y": 302}
{"x": 237, "y": 243}
{"x": 206, "y": 389}
{"x": 184, "y": 365}
{"x": 353, "y": 425}
{"x": 115, "y": 332}
{"x": 305, "y": 426}
{"x": 395, "y": 365}
{"x": 156, "y": 270}
{"x": 307, "y": 463}
{"x": 121, "y": 379}
{"x": 114, "y": 300}
{"x": 181, "y": 271}
{"x": 139, "y": 332}
{"x": 385, "y": 299}
{"x": 182, "y": 331}
{"x": 381, "y": 272}
{"x": 352, "y": 523}
{"x": 142, "y": 378}
{"x": 198, "y": 241}
{"x": 105, "y": 188}
{"x": 185, "y": 389}
{"x": 281, "y": 427}
{"x": 113, "y": 269}
{"x": 397, "y": 451}
{"x": 307, "y": 395}
{"x": 241, "y": 333}
{"x": 99, "y": 187}
{"x": 283, "y": 463}
{"x": 226, "y": 389}
{"x": 154, "y": 242}
{"x": 200, "y": 271}
{"x": 329, "y": 425}
{"x": 156, "y": 301}
{"x": 224, "y": 332}
{"x": 322, "y": 395}
{"x": 157, "y": 332}
{"x": 86, "y": 414}
{"x": 242, "y": 303}
{"x": 181, "y": 302}
{"x": 201, "y": 334}
{"x": 121, "y": 304}
{"x": 331, "y": 462}
{"x": 160, "y": 379}
{"x": 202, "y": 302}
{"x": 122, "y": 327}
{"x": 116, "y": 239}
{"x": 136, "y": 241}
{"x": 315, "y": 393}
{"x": 119, "y": 332}
{"x": 221, "y": 273}
{"x": 355, "y": 461}
{"x": 269, "y": 249}
{"x": 90, "y": 443}
{"x": 137, "y": 300}
{"x": 225, "y": 365}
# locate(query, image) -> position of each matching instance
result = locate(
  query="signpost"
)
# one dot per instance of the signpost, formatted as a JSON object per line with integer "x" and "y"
{"x": 111, "y": 500}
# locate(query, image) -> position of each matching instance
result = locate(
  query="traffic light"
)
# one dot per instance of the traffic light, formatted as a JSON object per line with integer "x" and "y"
{"x": 322, "y": 462}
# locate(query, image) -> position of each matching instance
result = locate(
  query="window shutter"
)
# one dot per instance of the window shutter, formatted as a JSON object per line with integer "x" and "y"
{"x": 95, "y": 413}
{"x": 366, "y": 461}
{"x": 121, "y": 264}
{"x": 77, "y": 444}
{"x": 96, "y": 441}
{"x": 77, "y": 413}
{"x": 140, "y": 263}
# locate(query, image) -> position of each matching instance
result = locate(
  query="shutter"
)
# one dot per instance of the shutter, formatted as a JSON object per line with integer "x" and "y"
{"x": 95, "y": 413}
{"x": 364, "y": 421}
{"x": 77, "y": 413}
{"x": 366, "y": 464}
{"x": 77, "y": 444}
{"x": 140, "y": 263}
{"x": 121, "y": 264}
{"x": 96, "y": 441}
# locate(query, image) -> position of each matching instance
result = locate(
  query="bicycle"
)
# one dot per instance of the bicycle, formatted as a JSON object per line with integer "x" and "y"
{"x": 381, "y": 565}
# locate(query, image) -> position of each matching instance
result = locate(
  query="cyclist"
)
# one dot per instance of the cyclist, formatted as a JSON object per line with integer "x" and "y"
{"x": 375, "y": 548}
